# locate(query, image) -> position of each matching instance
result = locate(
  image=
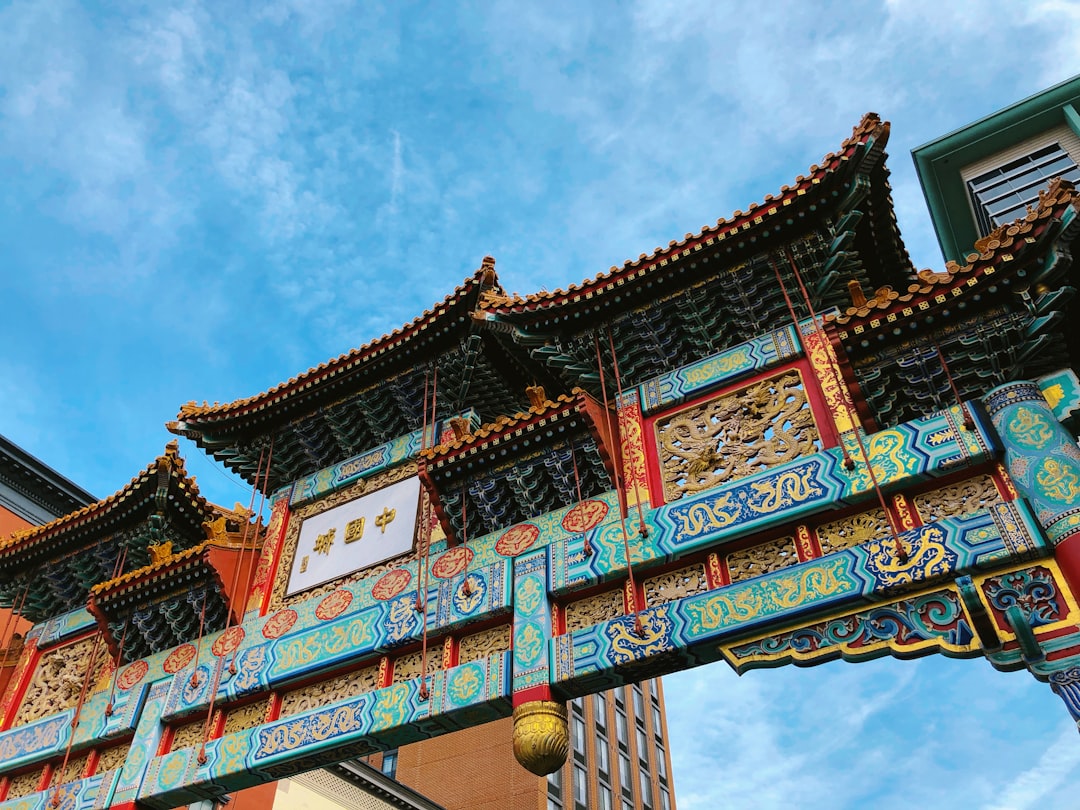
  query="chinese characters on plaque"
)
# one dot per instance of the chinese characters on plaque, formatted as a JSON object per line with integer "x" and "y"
{"x": 356, "y": 535}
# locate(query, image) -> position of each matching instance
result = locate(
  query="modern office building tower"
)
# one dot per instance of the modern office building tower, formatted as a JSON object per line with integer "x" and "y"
{"x": 619, "y": 760}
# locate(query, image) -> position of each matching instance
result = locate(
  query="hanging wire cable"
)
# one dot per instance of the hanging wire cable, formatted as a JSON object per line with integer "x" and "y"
{"x": 969, "y": 423}
{"x": 427, "y": 545}
{"x": 849, "y": 463}
{"x": 585, "y": 544}
{"x": 116, "y": 667}
{"x": 639, "y": 630}
{"x": 901, "y": 551}
{"x": 424, "y": 516}
{"x": 643, "y": 529}
{"x": 253, "y": 557}
{"x": 231, "y": 596}
{"x": 466, "y": 589}
{"x": 91, "y": 663}
{"x": 198, "y": 643}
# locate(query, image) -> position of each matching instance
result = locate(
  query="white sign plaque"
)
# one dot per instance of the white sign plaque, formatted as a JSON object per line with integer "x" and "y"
{"x": 355, "y": 535}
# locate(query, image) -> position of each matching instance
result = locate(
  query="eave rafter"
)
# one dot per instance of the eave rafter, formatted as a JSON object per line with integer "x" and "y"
{"x": 522, "y": 466}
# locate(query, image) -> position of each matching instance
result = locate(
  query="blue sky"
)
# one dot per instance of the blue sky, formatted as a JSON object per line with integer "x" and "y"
{"x": 198, "y": 201}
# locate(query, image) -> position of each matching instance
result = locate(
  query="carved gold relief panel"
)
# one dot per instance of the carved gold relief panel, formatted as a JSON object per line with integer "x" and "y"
{"x": 957, "y": 499}
{"x": 675, "y": 585}
{"x": 593, "y": 610}
{"x": 112, "y": 758}
{"x": 245, "y": 717}
{"x": 735, "y": 435}
{"x": 853, "y": 530}
{"x": 330, "y": 691}
{"x": 763, "y": 558}
{"x": 58, "y": 679}
{"x": 24, "y": 784}
{"x": 76, "y": 767}
{"x": 189, "y": 734}
{"x": 278, "y": 599}
{"x": 409, "y": 666}
{"x": 483, "y": 644}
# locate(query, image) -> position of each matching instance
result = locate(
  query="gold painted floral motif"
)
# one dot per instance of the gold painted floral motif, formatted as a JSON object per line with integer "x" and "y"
{"x": 330, "y": 691}
{"x": 675, "y": 585}
{"x": 961, "y": 498}
{"x": 484, "y": 644}
{"x": 593, "y": 610}
{"x": 852, "y": 531}
{"x": 735, "y": 435}
{"x": 763, "y": 558}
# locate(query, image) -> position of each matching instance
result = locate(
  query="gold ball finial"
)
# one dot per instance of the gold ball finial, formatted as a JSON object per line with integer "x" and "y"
{"x": 541, "y": 736}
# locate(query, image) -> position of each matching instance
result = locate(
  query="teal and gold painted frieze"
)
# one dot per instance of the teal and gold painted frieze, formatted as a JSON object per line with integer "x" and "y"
{"x": 1042, "y": 457}
{"x": 370, "y": 462}
{"x": 519, "y": 575}
{"x": 723, "y": 368}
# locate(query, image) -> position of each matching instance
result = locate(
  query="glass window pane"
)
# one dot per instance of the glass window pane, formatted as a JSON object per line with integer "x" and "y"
{"x": 646, "y": 791}
{"x": 620, "y": 728}
{"x": 1003, "y": 194}
{"x": 602, "y": 763}
{"x": 579, "y": 734}
{"x": 581, "y": 787}
{"x": 606, "y": 799}
{"x": 389, "y": 763}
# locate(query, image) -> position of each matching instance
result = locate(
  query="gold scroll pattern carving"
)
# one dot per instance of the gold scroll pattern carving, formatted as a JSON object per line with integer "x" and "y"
{"x": 853, "y": 530}
{"x": 58, "y": 679}
{"x": 278, "y": 599}
{"x": 484, "y": 644}
{"x": 408, "y": 666}
{"x": 318, "y": 695}
{"x": 112, "y": 758}
{"x": 735, "y": 435}
{"x": 76, "y": 767}
{"x": 24, "y": 784}
{"x": 245, "y": 717}
{"x": 975, "y": 493}
{"x": 189, "y": 734}
{"x": 593, "y": 610}
{"x": 763, "y": 558}
{"x": 675, "y": 585}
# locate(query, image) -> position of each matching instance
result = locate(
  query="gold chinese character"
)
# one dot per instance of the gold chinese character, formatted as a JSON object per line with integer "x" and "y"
{"x": 354, "y": 530}
{"x": 303, "y": 564}
{"x": 324, "y": 541}
{"x": 384, "y": 519}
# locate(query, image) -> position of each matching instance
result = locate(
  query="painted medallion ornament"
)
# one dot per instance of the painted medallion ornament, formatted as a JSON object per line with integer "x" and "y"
{"x": 132, "y": 675}
{"x": 179, "y": 658}
{"x": 517, "y": 539}
{"x": 584, "y": 516}
{"x": 452, "y": 563}
{"x": 333, "y": 605}
{"x": 391, "y": 584}
{"x": 279, "y": 624}
{"x": 228, "y": 641}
